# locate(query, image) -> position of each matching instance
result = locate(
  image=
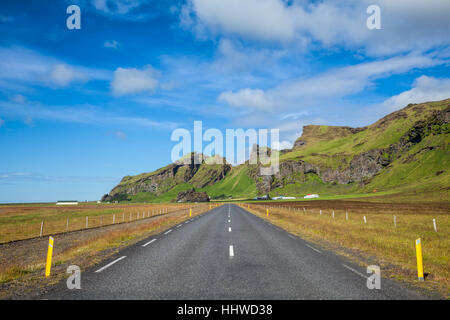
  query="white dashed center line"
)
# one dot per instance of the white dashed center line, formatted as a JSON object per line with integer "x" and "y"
{"x": 231, "y": 252}
{"x": 110, "y": 264}
{"x": 229, "y": 229}
{"x": 144, "y": 245}
{"x": 354, "y": 271}
{"x": 318, "y": 251}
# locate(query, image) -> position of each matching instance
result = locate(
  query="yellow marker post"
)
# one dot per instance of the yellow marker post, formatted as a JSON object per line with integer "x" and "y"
{"x": 419, "y": 260}
{"x": 190, "y": 212}
{"x": 267, "y": 211}
{"x": 49, "y": 257}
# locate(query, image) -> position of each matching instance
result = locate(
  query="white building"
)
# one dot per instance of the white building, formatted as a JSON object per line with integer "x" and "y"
{"x": 283, "y": 198}
{"x": 67, "y": 203}
{"x": 311, "y": 196}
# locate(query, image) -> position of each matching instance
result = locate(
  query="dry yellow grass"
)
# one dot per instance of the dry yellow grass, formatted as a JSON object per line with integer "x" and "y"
{"x": 24, "y": 222}
{"x": 93, "y": 249}
{"x": 393, "y": 247}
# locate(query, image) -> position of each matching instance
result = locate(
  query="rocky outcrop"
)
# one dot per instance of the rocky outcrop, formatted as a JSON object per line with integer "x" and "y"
{"x": 351, "y": 162}
{"x": 192, "y": 196}
{"x": 362, "y": 166}
{"x": 193, "y": 169}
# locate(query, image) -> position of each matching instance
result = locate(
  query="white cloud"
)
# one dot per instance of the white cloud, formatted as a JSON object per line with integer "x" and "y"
{"x": 258, "y": 19}
{"x": 253, "y": 98}
{"x": 62, "y": 75}
{"x": 85, "y": 114}
{"x": 333, "y": 84}
{"x": 424, "y": 89}
{"x": 121, "y": 135}
{"x": 111, "y": 44}
{"x": 18, "y": 98}
{"x": 131, "y": 80}
{"x": 406, "y": 24}
{"x": 117, "y": 6}
{"x": 282, "y": 145}
{"x": 232, "y": 56}
{"x": 20, "y": 67}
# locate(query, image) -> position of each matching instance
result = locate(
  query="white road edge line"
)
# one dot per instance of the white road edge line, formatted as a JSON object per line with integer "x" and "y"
{"x": 168, "y": 231}
{"x": 110, "y": 264}
{"x": 312, "y": 248}
{"x": 353, "y": 270}
{"x": 144, "y": 245}
{"x": 231, "y": 252}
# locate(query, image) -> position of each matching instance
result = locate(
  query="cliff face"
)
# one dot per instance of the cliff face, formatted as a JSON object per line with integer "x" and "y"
{"x": 405, "y": 147}
{"x": 164, "y": 179}
{"x": 346, "y": 165}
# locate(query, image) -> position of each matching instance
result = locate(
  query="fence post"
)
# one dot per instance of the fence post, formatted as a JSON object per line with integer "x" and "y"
{"x": 114, "y": 218}
{"x": 365, "y": 220}
{"x": 320, "y": 212}
{"x": 67, "y": 225}
{"x": 333, "y": 214}
{"x": 42, "y": 228}
{"x": 395, "y": 221}
{"x": 434, "y": 225}
{"x": 87, "y": 222}
{"x": 346, "y": 215}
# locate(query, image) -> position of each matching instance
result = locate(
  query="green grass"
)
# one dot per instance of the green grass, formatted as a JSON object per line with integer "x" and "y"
{"x": 167, "y": 196}
{"x": 421, "y": 170}
{"x": 236, "y": 184}
{"x": 334, "y": 152}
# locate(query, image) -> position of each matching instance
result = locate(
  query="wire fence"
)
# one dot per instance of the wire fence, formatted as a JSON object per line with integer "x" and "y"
{"x": 56, "y": 225}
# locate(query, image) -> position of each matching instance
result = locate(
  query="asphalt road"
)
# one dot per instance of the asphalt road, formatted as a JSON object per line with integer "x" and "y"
{"x": 228, "y": 253}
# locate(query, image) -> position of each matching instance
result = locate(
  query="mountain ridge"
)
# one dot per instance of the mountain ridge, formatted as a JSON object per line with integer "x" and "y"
{"x": 326, "y": 159}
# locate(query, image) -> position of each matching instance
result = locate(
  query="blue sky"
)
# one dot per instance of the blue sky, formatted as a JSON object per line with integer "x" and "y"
{"x": 80, "y": 109}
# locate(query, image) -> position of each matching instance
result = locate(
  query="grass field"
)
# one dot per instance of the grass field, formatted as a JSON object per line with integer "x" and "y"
{"x": 391, "y": 246}
{"x": 24, "y": 221}
{"x": 22, "y": 263}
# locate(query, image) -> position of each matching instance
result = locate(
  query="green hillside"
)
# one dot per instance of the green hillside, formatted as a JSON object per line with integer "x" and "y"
{"x": 406, "y": 152}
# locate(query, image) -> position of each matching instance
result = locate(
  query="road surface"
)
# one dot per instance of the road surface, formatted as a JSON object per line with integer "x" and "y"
{"x": 227, "y": 253}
